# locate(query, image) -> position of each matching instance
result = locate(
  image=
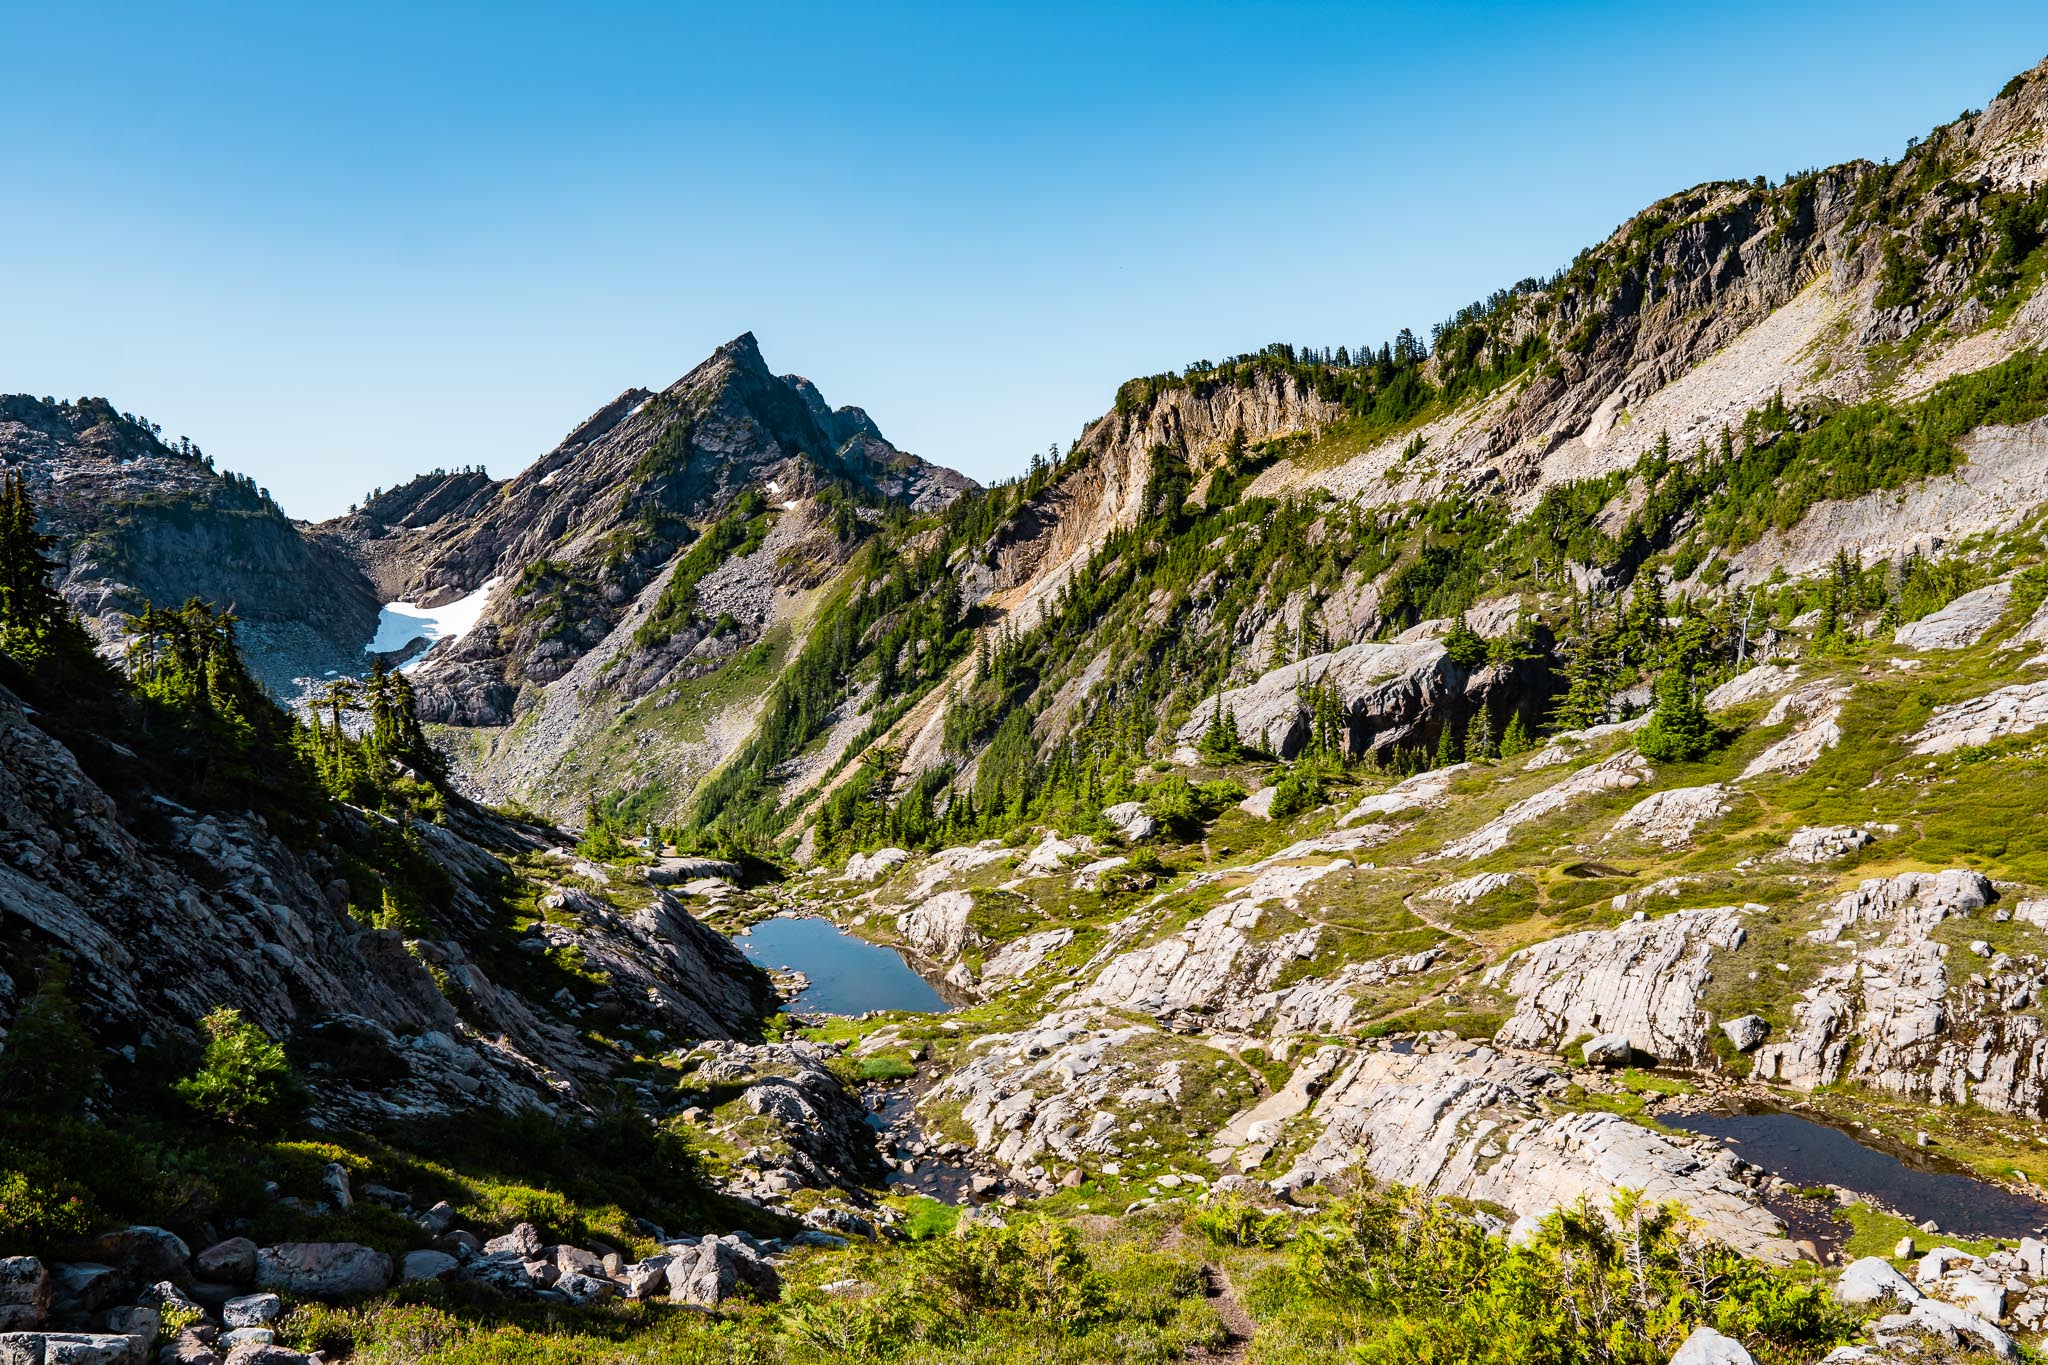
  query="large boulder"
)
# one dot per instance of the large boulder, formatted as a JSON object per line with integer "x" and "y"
{"x": 1745, "y": 1032}
{"x": 81, "y": 1287}
{"x": 24, "y": 1293}
{"x": 720, "y": 1268}
{"x": 1960, "y": 624}
{"x": 144, "y": 1254}
{"x": 1708, "y": 1347}
{"x": 1609, "y": 1050}
{"x": 229, "y": 1262}
{"x": 523, "y": 1239}
{"x": 323, "y": 1270}
{"x": 71, "y": 1348}
{"x": 426, "y": 1265}
{"x": 1874, "y": 1278}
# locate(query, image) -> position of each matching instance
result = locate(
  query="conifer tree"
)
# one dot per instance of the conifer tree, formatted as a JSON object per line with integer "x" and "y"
{"x": 32, "y": 615}
{"x": 1679, "y": 729}
{"x": 1515, "y": 738}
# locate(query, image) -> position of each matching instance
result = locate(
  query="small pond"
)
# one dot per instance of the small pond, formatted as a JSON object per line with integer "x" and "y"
{"x": 847, "y": 975}
{"x": 1803, "y": 1152}
{"x": 895, "y": 1112}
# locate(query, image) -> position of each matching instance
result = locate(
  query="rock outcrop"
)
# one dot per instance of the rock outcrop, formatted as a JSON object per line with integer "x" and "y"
{"x": 1641, "y": 980}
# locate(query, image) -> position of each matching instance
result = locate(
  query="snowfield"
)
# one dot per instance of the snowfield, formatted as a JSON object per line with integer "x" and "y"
{"x": 401, "y": 623}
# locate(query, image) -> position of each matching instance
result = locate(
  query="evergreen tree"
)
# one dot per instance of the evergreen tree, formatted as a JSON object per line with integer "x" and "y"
{"x": 1479, "y": 734}
{"x": 1679, "y": 729}
{"x": 32, "y": 616}
{"x": 1446, "y": 746}
{"x": 1515, "y": 739}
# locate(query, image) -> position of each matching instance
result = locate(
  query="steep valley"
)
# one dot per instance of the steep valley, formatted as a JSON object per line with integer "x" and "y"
{"x": 1398, "y": 848}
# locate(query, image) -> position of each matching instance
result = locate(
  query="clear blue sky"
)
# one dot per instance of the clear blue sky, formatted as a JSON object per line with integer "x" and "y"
{"x": 337, "y": 244}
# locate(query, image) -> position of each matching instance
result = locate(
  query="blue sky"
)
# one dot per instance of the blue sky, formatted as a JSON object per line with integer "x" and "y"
{"x": 340, "y": 244}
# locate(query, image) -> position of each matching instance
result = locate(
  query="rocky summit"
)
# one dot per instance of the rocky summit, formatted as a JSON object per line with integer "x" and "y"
{"x": 1524, "y": 845}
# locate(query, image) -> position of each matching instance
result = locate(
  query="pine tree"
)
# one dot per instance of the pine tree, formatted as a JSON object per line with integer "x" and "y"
{"x": 32, "y": 615}
{"x": 1446, "y": 746}
{"x": 1679, "y": 729}
{"x": 1479, "y": 734}
{"x": 1515, "y": 739}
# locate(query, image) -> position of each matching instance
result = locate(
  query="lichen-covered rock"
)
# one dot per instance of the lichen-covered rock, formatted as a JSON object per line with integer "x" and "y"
{"x": 2013, "y": 710}
{"x": 1825, "y": 843}
{"x": 1617, "y": 772}
{"x": 323, "y": 1270}
{"x": 1640, "y": 980}
{"x": 230, "y": 1262}
{"x": 721, "y": 1268}
{"x": 1463, "y": 1120}
{"x": 1961, "y": 623}
{"x": 1670, "y": 817}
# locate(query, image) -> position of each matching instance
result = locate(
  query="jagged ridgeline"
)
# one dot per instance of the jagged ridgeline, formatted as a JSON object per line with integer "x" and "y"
{"x": 1644, "y": 464}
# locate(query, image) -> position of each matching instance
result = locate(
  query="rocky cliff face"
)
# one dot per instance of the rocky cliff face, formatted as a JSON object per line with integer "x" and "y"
{"x": 138, "y": 522}
{"x": 165, "y": 913}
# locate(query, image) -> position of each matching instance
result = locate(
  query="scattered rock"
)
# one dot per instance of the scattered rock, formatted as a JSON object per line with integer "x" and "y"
{"x": 254, "y": 1310}
{"x": 426, "y": 1265}
{"x": 323, "y": 1270}
{"x": 1825, "y": 843}
{"x": 1746, "y": 1032}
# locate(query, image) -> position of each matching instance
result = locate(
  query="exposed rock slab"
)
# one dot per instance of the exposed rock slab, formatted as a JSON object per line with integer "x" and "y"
{"x": 1641, "y": 980}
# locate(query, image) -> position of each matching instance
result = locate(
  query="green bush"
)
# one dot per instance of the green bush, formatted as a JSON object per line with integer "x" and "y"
{"x": 40, "y": 1214}
{"x": 244, "y": 1079}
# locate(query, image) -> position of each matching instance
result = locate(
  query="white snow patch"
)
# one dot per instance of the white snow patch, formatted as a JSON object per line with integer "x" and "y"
{"x": 401, "y": 623}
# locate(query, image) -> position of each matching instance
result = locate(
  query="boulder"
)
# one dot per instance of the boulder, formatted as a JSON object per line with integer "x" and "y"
{"x": 69, "y": 1348}
{"x": 1945, "y": 1319}
{"x": 720, "y": 1268}
{"x": 144, "y": 1254}
{"x": 646, "y": 1277}
{"x": 1132, "y": 820}
{"x": 1871, "y": 1279}
{"x": 585, "y": 1290}
{"x": 438, "y": 1219}
{"x": 1260, "y": 803}
{"x": 229, "y": 1262}
{"x": 252, "y": 1310}
{"x": 323, "y": 1270}
{"x": 504, "y": 1272}
{"x": 1981, "y": 1296}
{"x": 193, "y": 1346}
{"x": 1824, "y": 843}
{"x": 247, "y": 1336}
{"x": 872, "y": 867}
{"x": 1745, "y": 1032}
{"x": 1708, "y": 1347}
{"x": 426, "y": 1265}
{"x": 24, "y": 1293}
{"x": 1960, "y": 624}
{"x": 1609, "y": 1050}
{"x": 81, "y": 1287}
{"x": 523, "y": 1239}
{"x": 334, "y": 1182}
{"x": 260, "y": 1353}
